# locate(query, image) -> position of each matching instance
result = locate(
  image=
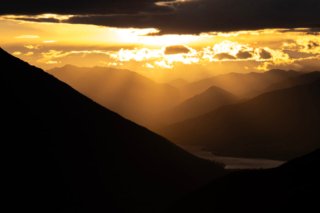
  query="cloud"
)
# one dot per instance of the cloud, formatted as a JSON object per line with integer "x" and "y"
{"x": 29, "y": 53}
{"x": 157, "y": 57}
{"x": 57, "y": 54}
{"x": 84, "y": 7}
{"x": 54, "y": 18}
{"x": 16, "y": 53}
{"x": 224, "y": 56}
{"x": 172, "y": 56}
{"x": 244, "y": 54}
{"x": 32, "y": 47}
{"x": 313, "y": 44}
{"x": 184, "y": 17}
{"x": 178, "y": 49}
{"x": 49, "y": 41}
{"x": 306, "y": 44}
{"x": 28, "y": 37}
{"x": 264, "y": 54}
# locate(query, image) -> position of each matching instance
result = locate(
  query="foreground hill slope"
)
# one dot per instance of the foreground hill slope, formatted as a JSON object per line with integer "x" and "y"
{"x": 65, "y": 153}
{"x": 293, "y": 187}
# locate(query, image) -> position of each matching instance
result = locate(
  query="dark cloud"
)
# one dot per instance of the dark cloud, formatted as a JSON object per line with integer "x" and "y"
{"x": 313, "y": 44}
{"x": 264, "y": 54}
{"x": 190, "y": 17}
{"x": 84, "y": 7}
{"x": 222, "y": 56}
{"x": 178, "y": 49}
{"x": 298, "y": 55}
{"x": 52, "y": 20}
{"x": 244, "y": 54}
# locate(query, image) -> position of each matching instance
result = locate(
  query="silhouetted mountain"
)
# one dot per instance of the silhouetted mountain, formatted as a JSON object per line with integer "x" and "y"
{"x": 305, "y": 78}
{"x": 123, "y": 91}
{"x": 242, "y": 85}
{"x": 64, "y": 153}
{"x": 203, "y": 103}
{"x": 293, "y": 187}
{"x": 280, "y": 125}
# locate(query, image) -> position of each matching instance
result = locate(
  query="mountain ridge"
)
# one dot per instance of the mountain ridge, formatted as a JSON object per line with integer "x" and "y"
{"x": 280, "y": 120}
{"x": 243, "y": 85}
{"x": 65, "y": 153}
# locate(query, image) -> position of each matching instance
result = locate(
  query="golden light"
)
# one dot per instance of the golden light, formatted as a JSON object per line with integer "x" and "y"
{"x": 55, "y": 44}
{"x": 42, "y": 16}
{"x": 229, "y": 47}
{"x": 168, "y": 40}
{"x": 156, "y": 57}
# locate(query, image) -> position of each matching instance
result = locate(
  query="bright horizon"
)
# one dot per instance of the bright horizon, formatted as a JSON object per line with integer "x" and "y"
{"x": 161, "y": 57}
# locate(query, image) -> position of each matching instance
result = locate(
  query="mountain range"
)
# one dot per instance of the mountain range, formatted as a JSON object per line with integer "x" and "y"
{"x": 153, "y": 104}
{"x": 304, "y": 78}
{"x": 63, "y": 152}
{"x": 282, "y": 124}
{"x": 242, "y": 85}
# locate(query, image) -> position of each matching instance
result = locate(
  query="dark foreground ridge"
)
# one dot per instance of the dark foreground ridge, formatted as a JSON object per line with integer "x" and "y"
{"x": 65, "y": 153}
{"x": 293, "y": 187}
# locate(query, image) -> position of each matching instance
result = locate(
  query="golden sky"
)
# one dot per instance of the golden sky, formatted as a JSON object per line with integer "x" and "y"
{"x": 187, "y": 56}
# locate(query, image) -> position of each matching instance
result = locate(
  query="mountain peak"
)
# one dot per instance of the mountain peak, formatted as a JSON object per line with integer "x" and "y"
{"x": 207, "y": 101}
{"x": 215, "y": 89}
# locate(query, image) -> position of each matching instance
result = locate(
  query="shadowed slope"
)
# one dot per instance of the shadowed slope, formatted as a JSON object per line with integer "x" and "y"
{"x": 65, "y": 153}
{"x": 293, "y": 187}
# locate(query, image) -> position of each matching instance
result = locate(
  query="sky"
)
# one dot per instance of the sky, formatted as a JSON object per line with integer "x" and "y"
{"x": 167, "y": 39}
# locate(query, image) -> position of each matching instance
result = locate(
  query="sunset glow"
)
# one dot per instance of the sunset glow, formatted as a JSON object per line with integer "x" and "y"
{"x": 47, "y": 45}
{"x": 160, "y": 106}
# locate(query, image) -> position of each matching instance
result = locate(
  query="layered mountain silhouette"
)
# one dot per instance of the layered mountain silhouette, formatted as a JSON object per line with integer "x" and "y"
{"x": 279, "y": 125}
{"x": 65, "y": 153}
{"x": 242, "y": 85}
{"x": 200, "y": 104}
{"x": 125, "y": 92}
{"x": 293, "y": 187}
{"x": 301, "y": 79}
